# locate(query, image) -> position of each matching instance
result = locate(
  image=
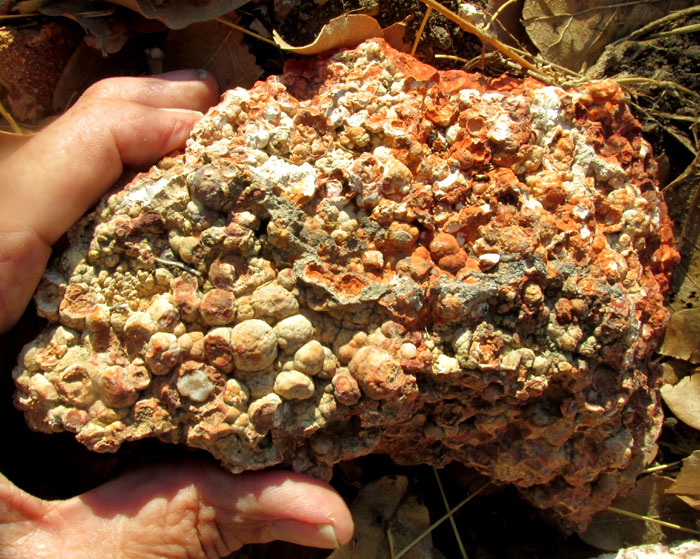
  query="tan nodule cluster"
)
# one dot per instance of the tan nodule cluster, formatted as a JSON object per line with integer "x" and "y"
{"x": 367, "y": 255}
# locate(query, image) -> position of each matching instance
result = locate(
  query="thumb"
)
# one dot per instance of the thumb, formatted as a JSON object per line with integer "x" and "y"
{"x": 53, "y": 178}
{"x": 191, "y": 511}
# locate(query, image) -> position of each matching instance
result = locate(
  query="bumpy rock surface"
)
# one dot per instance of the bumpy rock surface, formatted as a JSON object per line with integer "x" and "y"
{"x": 366, "y": 255}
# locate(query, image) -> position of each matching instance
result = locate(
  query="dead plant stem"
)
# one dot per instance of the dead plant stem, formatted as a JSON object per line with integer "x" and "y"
{"x": 440, "y": 520}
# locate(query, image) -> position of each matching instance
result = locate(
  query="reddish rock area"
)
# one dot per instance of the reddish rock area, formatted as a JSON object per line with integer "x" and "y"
{"x": 31, "y": 61}
{"x": 367, "y": 255}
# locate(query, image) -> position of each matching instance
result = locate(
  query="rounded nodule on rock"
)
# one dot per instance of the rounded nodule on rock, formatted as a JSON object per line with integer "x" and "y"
{"x": 293, "y": 332}
{"x": 74, "y": 384}
{"x": 195, "y": 385}
{"x": 274, "y": 302}
{"x": 379, "y": 375}
{"x": 218, "y": 307}
{"x": 116, "y": 388}
{"x": 264, "y": 412}
{"x": 162, "y": 353}
{"x": 309, "y": 358}
{"x": 139, "y": 326}
{"x": 75, "y": 306}
{"x": 346, "y": 389}
{"x": 164, "y": 314}
{"x": 294, "y": 385}
{"x": 254, "y": 345}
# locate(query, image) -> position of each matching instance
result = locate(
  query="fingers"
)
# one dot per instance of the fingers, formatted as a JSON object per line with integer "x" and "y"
{"x": 51, "y": 180}
{"x": 186, "y": 89}
{"x": 281, "y": 505}
{"x": 196, "y": 510}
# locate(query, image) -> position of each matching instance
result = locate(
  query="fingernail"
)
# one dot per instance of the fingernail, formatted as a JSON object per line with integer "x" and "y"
{"x": 202, "y": 74}
{"x": 197, "y": 114}
{"x": 326, "y": 532}
{"x": 316, "y": 535}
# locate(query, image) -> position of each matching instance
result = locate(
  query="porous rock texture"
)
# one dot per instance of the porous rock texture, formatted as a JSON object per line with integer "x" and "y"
{"x": 366, "y": 255}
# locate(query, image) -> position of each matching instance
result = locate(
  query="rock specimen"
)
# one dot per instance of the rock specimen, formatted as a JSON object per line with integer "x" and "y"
{"x": 366, "y": 255}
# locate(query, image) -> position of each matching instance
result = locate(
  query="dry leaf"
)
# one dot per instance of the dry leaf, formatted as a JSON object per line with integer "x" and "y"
{"x": 684, "y": 399}
{"x": 104, "y": 32}
{"x": 87, "y": 66}
{"x": 612, "y": 531}
{"x": 178, "y": 14}
{"x": 215, "y": 47}
{"x": 682, "y": 337}
{"x": 688, "y": 480}
{"x": 411, "y": 519}
{"x": 573, "y": 33}
{"x": 77, "y": 75}
{"x": 507, "y": 26}
{"x": 343, "y": 31}
{"x": 395, "y": 34}
{"x": 386, "y": 508}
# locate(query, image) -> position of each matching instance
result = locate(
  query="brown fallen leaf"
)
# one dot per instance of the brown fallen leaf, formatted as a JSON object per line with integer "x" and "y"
{"x": 682, "y": 337}
{"x": 105, "y": 31}
{"x": 411, "y": 518}
{"x": 505, "y": 23}
{"x": 77, "y": 75}
{"x": 683, "y": 399}
{"x": 215, "y": 47}
{"x": 396, "y": 33}
{"x": 687, "y": 483}
{"x": 178, "y": 14}
{"x": 387, "y": 517}
{"x": 343, "y": 31}
{"x": 611, "y": 531}
{"x": 573, "y": 33}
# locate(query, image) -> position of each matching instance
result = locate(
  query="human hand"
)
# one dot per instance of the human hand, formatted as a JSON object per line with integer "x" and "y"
{"x": 188, "y": 510}
{"x": 50, "y": 180}
{"x": 180, "y": 511}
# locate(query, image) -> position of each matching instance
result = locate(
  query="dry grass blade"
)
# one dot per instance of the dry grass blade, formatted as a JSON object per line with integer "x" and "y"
{"x": 684, "y": 175}
{"x": 8, "y": 117}
{"x": 473, "y": 29}
{"x": 18, "y": 16}
{"x": 440, "y": 520}
{"x": 602, "y": 7}
{"x": 694, "y": 200}
{"x": 246, "y": 31}
{"x": 680, "y": 139}
{"x": 639, "y": 80}
{"x": 653, "y": 520}
{"x": 673, "y": 16}
{"x": 452, "y": 57}
{"x": 498, "y": 12}
{"x": 678, "y": 31}
{"x": 419, "y": 34}
{"x": 462, "y": 551}
{"x": 662, "y": 467}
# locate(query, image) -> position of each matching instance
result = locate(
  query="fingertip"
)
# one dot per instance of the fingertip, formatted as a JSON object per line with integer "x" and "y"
{"x": 301, "y": 533}
{"x": 153, "y": 134}
{"x": 186, "y": 89}
{"x": 296, "y": 507}
{"x": 209, "y": 94}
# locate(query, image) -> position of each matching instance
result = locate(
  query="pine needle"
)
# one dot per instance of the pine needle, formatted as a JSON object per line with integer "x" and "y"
{"x": 246, "y": 31}
{"x": 677, "y": 31}
{"x": 653, "y": 520}
{"x": 485, "y": 38}
{"x": 440, "y": 520}
{"x": 462, "y": 551}
{"x": 8, "y": 117}
{"x": 419, "y": 34}
{"x": 662, "y": 467}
